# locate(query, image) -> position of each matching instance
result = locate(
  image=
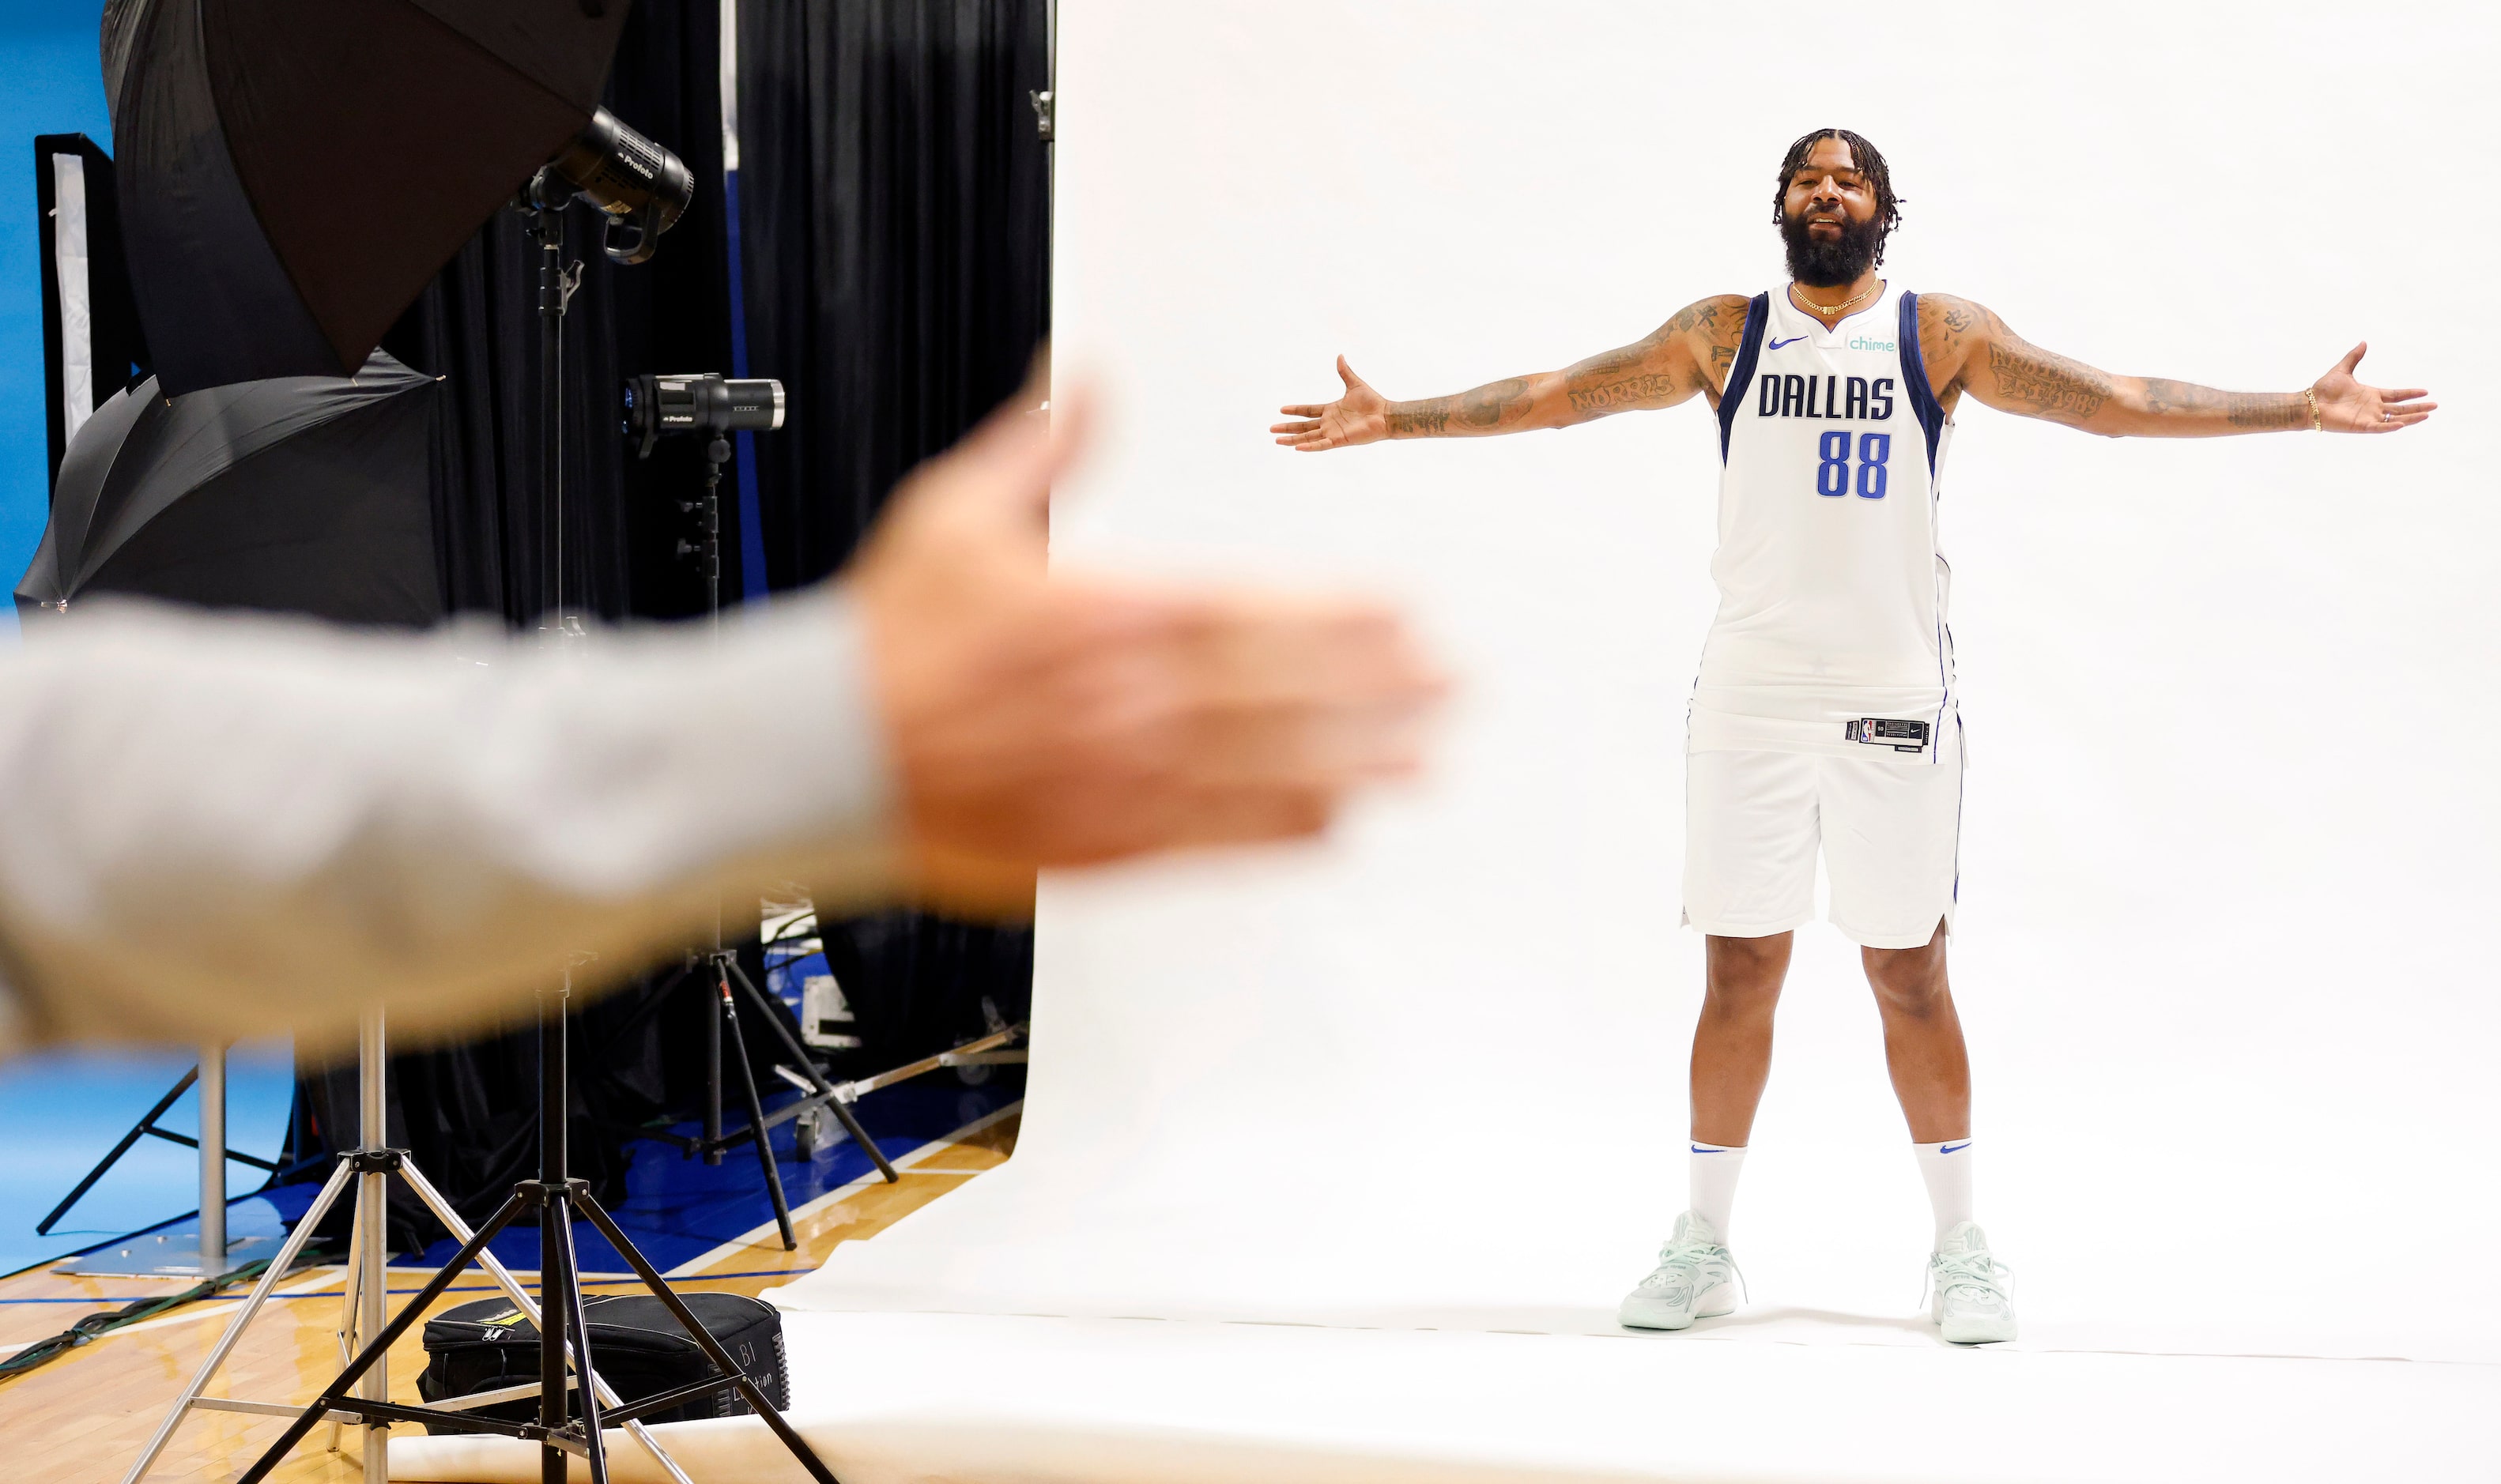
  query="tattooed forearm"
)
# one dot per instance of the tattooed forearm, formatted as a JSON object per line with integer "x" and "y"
{"x": 1490, "y": 406}
{"x": 2255, "y": 411}
{"x": 1607, "y": 396}
{"x": 2047, "y": 384}
{"x": 1418, "y": 419}
{"x": 2267, "y": 411}
{"x": 1490, "y": 409}
{"x": 2168, "y": 398}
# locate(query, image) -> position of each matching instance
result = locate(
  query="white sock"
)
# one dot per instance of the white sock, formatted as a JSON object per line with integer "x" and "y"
{"x": 1947, "y": 1168}
{"x": 1711, "y": 1180}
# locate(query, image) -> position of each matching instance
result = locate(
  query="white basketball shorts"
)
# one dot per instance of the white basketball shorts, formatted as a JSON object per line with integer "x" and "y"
{"x": 1888, "y": 833}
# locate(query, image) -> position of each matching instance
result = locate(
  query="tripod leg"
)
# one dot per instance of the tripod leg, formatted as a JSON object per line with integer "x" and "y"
{"x": 555, "y": 1336}
{"x": 353, "y": 1292}
{"x": 529, "y": 1307}
{"x": 348, "y": 1297}
{"x": 346, "y": 1380}
{"x": 755, "y": 1121}
{"x": 712, "y": 1087}
{"x": 764, "y": 1009}
{"x": 373, "y": 1275}
{"x": 808, "y": 1069}
{"x": 260, "y": 1292}
{"x": 711, "y": 1347}
{"x": 576, "y": 1327}
{"x": 146, "y": 1123}
{"x": 859, "y": 1136}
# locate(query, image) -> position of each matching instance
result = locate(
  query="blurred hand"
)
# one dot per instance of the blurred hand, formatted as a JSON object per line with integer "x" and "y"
{"x": 1360, "y": 416}
{"x": 1044, "y": 720}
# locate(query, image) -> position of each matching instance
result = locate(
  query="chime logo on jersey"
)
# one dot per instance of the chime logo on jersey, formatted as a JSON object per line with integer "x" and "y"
{"x": 1833, "y": 397}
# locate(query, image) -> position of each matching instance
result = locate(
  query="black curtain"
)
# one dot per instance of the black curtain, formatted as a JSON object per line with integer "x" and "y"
{"x": 894, "y": 213}
{"x": 894, "y": 207}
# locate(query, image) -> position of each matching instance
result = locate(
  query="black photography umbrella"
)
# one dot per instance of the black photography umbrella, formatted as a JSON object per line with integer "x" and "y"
{"x": 306, "y": 495}
{"x": 292, "y": 172}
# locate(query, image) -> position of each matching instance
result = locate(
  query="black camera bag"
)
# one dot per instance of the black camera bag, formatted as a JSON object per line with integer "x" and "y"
{"x": 636, "y": 1345}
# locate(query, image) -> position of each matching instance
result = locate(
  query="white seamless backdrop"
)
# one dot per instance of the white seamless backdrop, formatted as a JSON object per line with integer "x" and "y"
{"x": 2226, "y": 949}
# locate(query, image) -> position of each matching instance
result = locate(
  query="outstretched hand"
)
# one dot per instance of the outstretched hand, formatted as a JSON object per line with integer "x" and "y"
{"x": 2347, "y": 406}
{"x": 1360, "y": 416}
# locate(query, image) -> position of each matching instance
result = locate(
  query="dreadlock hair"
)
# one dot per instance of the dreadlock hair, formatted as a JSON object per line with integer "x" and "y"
{"x": 1870, "y": 161}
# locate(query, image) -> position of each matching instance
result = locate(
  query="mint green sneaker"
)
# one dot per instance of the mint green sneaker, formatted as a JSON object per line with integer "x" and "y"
{"x": 1695, "y": 1279}
{"x": 1970, "y": 1306}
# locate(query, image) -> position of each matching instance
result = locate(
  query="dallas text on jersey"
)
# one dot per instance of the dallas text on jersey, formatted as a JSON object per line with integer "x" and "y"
{"x": 1845, "y": 398}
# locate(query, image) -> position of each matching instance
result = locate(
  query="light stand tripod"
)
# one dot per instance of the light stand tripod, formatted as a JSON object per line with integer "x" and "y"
{"x": 563, "y": 1330}
{"x": 555, "y": 1196}
{"x": 726, "y": 981}
{"x": 371, "y": 1165}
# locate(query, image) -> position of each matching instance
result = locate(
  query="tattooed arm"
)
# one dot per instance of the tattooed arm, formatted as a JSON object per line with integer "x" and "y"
{"x": 1969, "y": 349}
{"x": 1689, "y": 354}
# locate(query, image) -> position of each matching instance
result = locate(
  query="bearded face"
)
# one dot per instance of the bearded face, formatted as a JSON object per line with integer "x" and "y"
{"x": 1826, "y": 248}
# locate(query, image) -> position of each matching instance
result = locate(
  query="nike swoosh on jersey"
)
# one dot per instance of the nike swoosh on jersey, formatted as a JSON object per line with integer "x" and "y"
{"x": 1776, "y": 343}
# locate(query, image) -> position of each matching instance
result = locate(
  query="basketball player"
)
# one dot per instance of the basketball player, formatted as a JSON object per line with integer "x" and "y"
{"x": 1826, "y": 710}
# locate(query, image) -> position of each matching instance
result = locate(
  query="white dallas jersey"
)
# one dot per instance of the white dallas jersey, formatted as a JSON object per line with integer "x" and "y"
{"x": 1831, "y": 632}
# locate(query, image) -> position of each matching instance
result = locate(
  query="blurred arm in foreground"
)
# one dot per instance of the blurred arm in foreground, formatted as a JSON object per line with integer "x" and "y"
{"x": 215, "y": 827}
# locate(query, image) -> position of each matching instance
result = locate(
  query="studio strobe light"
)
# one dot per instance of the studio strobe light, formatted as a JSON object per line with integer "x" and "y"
{"x": 706, "y": 402}
{"x": 641, "y": 188}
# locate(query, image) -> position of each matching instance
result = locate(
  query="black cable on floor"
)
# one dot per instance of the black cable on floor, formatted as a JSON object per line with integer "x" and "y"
{"x": 55, "y": 1346}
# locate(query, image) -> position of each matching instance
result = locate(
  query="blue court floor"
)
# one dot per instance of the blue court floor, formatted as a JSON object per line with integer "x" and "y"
{"x": 678, "y": 1210}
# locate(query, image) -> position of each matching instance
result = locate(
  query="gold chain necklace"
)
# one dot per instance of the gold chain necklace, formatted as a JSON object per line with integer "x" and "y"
{"x": 1802, "y": 302}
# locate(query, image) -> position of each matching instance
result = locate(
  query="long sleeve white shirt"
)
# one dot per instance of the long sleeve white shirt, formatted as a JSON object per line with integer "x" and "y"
{"x": 217, "y": 826}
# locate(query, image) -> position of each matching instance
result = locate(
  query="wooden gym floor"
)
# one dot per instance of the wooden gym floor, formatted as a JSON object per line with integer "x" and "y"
{"x": 83, "y": 1418}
